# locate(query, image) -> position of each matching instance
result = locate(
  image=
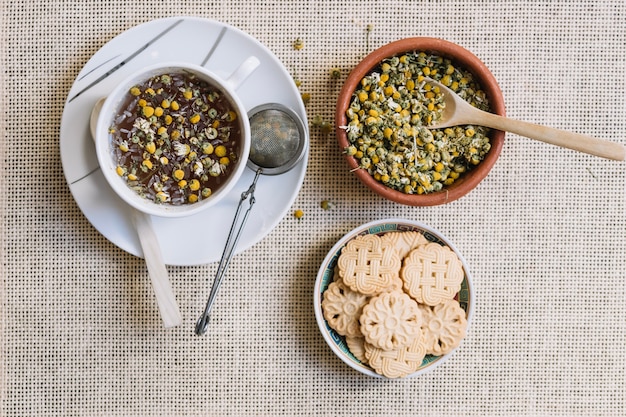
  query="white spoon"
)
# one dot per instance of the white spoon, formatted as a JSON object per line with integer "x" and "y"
{"x": 459, "y": 112}
{"x": 157, "y": 271}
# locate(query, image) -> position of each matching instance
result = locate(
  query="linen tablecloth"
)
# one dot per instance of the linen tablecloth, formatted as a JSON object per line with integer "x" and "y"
{"x": 544, "y": 234}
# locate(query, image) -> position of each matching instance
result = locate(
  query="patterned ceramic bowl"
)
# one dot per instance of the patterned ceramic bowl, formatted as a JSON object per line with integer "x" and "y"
{"x": 448, "y": 188}
{"x": 325, "y": 276}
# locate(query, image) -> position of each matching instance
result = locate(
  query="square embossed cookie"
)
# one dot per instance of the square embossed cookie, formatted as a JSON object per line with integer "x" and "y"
{"x": 404, "y": 241}
{"x": 432, "y": 273}
{"x": 369, "y": 265}
{"x": 396, "y": 363}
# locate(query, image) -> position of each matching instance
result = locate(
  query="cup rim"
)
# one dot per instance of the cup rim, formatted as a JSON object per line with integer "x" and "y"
{"x": 106, "y": 161}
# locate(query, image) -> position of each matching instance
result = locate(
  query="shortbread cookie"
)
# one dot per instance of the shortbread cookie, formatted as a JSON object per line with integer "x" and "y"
{"x": 404, "y": 241}
{"x": 356, "y": 345}
{"x": 336, "y": 276}
{"x": 396, "y": 363}
{"x": 342, "y": 308}
{"x": 443, "y": 326}
{"x": 396, "y": 284}
{"x": 391, "y": 320}
{"x": 432, "y": 273}
{"x": 368, "y": 265}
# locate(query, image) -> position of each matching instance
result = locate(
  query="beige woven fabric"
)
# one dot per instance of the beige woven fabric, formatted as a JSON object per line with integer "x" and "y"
{"x": 544, "y": 234}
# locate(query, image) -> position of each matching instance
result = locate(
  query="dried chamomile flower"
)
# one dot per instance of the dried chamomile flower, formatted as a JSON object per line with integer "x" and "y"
{"x": 298, "y": 44}
{"x": 387, "y": 119}
{"x": 326, "y": 205}
{"x": 324, "y": 126}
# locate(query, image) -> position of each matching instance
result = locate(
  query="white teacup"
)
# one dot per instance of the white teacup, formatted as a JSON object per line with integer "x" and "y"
{"x": 116, "y": 99}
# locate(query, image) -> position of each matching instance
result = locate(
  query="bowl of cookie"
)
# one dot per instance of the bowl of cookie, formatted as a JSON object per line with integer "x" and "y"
{"x": 385, "y": 122}
{"x": 393, "y": 298}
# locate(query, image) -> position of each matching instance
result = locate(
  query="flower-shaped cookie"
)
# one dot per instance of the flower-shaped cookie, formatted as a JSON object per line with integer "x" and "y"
{"x": 368, "y": 265}
{"x": 443, "y": 326}
{"x": 432, "y": 273}
{"x": 342, "y": 308}
{"x": 396, "y": 363}
{"x": 391, "y": 320}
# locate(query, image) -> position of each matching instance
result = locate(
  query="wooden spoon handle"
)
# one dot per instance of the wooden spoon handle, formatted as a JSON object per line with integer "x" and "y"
{"x": 582, "y": 143}
{"x": 157, "y": 270}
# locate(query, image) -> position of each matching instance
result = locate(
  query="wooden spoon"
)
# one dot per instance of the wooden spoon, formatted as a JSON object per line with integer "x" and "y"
{"x": 459, "y": 112}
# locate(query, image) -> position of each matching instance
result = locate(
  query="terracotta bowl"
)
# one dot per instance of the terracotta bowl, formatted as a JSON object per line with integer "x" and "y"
{"x": 461, "y": 57}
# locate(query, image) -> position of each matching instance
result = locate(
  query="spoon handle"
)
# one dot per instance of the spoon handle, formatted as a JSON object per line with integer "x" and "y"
{"x": 576, "y": 141}
{"x": 157, "y": 270}
{"x": 151, "y": 251}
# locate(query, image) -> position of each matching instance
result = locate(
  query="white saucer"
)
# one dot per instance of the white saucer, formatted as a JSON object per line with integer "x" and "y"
{"x": 198, "y": 239}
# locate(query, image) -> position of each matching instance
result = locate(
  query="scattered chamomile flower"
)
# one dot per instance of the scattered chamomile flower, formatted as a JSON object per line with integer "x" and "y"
{"x": 306, "y": 97}
{"x": 324, "y": 126}
{"x": 298, "y": 44}
{"x": 298, "y": 214}
{"x": 317, "y": 120}
{"x": 335, "y": 73}
{"x": 297, "y": 81}
{"x": 326, "y": 205}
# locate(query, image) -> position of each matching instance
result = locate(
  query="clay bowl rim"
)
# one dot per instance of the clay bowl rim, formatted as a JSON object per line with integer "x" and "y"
{"x": 458, "y": 55}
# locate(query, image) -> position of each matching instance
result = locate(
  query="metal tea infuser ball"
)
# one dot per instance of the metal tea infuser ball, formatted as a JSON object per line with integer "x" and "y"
{"x": 278, "y": 142}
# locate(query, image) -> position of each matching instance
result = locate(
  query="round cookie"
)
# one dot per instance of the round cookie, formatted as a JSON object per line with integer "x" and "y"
{"x": 432, "y": 273}
{"x": 356, "y": 345}
{"x": 391, "y": 320}
{"x": 342, "y": 308}
{"x": 443, "y": 327}
{"x": 396, "y": 363}
{"x": 336, "y": 276}
{"x": 404, "y": 241}
{"x": 368, "y": 265}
